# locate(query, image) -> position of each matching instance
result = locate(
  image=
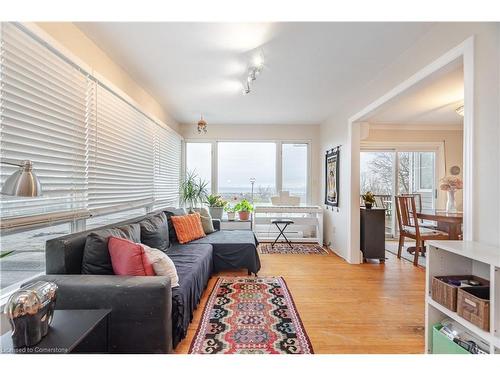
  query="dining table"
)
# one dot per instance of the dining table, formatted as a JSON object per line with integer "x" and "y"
{"x": 449, "y": 222}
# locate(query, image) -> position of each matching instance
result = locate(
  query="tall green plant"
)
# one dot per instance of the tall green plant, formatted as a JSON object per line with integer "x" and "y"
{"x": 193, "y": 190}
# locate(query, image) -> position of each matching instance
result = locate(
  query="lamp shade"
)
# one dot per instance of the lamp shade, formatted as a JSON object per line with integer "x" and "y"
{"x": 23, "y": 183}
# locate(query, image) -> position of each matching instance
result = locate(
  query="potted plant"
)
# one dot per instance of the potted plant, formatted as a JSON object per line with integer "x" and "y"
{"x": 369, "y": 199}
{"x": 193, "y": 190}
{"x": 244, "y": 208}
{"x": 216, "y": 206}
{"x": 230, "y": 211}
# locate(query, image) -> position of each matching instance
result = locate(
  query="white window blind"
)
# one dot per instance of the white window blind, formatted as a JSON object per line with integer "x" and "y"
{"x": 43, "y": 114}
{"x": 167, "y": 167}
{"x": 94, "y": 151}
{"x": 122, "y": 172}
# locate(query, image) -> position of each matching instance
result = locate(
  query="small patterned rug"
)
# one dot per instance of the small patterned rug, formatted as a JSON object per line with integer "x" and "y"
{"x": 246, "y": 315}
{"x": 298, "y": 248}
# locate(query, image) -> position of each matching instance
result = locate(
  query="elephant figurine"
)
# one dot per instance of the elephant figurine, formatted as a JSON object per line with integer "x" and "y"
{"x": 30, "y": 311}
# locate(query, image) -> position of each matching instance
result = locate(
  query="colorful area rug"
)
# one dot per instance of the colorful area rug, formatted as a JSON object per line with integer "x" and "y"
{"x": 246, "y": 315}
{"x": 298, "y": 248}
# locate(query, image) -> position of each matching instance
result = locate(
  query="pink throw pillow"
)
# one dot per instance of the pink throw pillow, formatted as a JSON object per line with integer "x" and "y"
{"x": 128, "y": 258}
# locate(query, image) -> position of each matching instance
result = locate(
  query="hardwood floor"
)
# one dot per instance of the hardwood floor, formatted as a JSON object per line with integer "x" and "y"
{"x": 367, "y": 308}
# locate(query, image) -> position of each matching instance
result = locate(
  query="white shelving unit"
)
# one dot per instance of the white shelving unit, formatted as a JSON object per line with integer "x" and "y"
{"x": 463, "y": 258}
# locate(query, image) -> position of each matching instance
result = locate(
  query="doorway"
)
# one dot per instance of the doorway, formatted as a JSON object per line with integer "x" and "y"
{"x": 463, "y": 55}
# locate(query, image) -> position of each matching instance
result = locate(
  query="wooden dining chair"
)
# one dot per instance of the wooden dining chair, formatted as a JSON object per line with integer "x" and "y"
{"x": 410, "y": 227}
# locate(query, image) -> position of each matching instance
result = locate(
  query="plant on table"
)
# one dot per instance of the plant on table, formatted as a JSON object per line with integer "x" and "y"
{"x": 244, "y": 208}
{"x": 216, "y": 205}
{"x": 369, "y": 199}
{"x": 229, "y": 208}
{"x": 193, "y": 190}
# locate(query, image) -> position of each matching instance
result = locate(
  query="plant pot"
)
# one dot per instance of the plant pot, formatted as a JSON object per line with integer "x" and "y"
{"x": 244, "y": 215}
{"x": 368, "y": 205}
{"x": 230, "y": 216}
{"x": 216, "y": 212}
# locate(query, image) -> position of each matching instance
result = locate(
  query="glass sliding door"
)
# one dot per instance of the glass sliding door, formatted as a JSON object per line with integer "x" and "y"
{"x": 378, "y": 170}
{"x": 387, "y": 173}
{"x": 417, "y": 175}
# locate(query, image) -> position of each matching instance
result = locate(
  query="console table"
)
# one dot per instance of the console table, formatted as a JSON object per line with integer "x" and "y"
{"x": 307, "y": 227}
{"x": 71, "y": 331}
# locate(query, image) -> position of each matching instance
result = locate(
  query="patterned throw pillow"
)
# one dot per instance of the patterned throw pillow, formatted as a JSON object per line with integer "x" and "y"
{"x": 188, "y": 227}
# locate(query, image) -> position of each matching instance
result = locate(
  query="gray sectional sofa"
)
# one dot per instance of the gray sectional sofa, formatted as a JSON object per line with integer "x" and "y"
{"x": 148, "y": 316}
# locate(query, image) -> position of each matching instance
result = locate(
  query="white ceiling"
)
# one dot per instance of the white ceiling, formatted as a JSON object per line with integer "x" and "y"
{"x": 431, "y": 102}
{"x": 194, "y": 68}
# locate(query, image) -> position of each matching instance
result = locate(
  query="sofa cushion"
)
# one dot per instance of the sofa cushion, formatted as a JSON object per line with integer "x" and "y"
{"x": 96, "y": 259}
{"x": 129, "y": 258}
{"x": 162, "y": 264}
{"x": 188, "y": 227}
{"x": 171, "y": 230}
{"x": 233, "y": 249}
{"x": 206, "y": 221}
{"x": 154, "y": 232}
{"x": 194, "y": 267}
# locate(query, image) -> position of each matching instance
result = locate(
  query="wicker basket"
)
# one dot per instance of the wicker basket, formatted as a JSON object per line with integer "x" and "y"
{"x": 446, "y": 294}
{"x": 473, "y": 304}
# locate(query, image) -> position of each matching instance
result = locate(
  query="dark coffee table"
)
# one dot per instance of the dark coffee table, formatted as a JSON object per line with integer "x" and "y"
{"x": 71, "y": 331}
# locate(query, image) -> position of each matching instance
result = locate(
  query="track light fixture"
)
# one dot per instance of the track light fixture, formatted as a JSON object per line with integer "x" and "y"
{"x": 255, "y": 68}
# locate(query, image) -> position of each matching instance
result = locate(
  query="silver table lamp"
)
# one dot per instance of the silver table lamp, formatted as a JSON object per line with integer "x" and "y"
{"x": 23, "y": 182}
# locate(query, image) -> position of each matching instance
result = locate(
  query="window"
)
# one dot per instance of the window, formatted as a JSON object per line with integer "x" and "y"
{"x": 238, "y": 162}
{"x": 199, "y": 160}
{"x": 425, "y": 171}
{"x": 95, "y": 152}
{"x": 22, "y": 255}
{"x": 294, "y": 169}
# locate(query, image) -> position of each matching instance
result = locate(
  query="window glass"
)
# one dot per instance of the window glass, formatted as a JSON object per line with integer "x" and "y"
{"x": 199, "y": 160}
{"x": 239, "y": 162}
{"x": 294, "y": 169}
{"x": 426, "y": 170}
{"x": 22, "y": 255}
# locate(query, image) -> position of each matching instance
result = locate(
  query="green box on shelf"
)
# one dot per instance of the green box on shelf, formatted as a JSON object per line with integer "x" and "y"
{"x": 443, "y": 345}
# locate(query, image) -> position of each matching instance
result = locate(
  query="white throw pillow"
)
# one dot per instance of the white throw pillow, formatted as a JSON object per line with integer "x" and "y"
{"x": 162, "y": 264}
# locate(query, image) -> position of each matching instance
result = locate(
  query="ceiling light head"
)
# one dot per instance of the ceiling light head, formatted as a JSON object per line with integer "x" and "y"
{"x": 258, "y": 61}
{"x": 460, "y": 110}
{"x": 202, "y": 125}
{"x": 246, "y": 88}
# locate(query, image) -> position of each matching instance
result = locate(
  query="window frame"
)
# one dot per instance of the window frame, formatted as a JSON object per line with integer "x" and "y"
{"x": 278, "y": 159}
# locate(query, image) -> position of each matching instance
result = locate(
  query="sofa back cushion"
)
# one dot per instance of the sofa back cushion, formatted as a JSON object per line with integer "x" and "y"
{"x": 206, "y": 219}
{"x": 129, "y": 258}
{"x": 96, "y": 259}
{"x": 154, "y": 232}
{"x": 188, "y": 227}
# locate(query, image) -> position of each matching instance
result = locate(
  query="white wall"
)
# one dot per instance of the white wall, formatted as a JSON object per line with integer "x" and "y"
{"x": 436, "y": 42}
{"x": 266, "y": 132}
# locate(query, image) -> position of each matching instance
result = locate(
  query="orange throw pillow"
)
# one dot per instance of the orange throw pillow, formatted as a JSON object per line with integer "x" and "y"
{"x": 188, "y": 227}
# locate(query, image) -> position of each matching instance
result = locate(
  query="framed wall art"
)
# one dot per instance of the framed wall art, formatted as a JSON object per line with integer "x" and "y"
{"x": 332, "y": 177}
